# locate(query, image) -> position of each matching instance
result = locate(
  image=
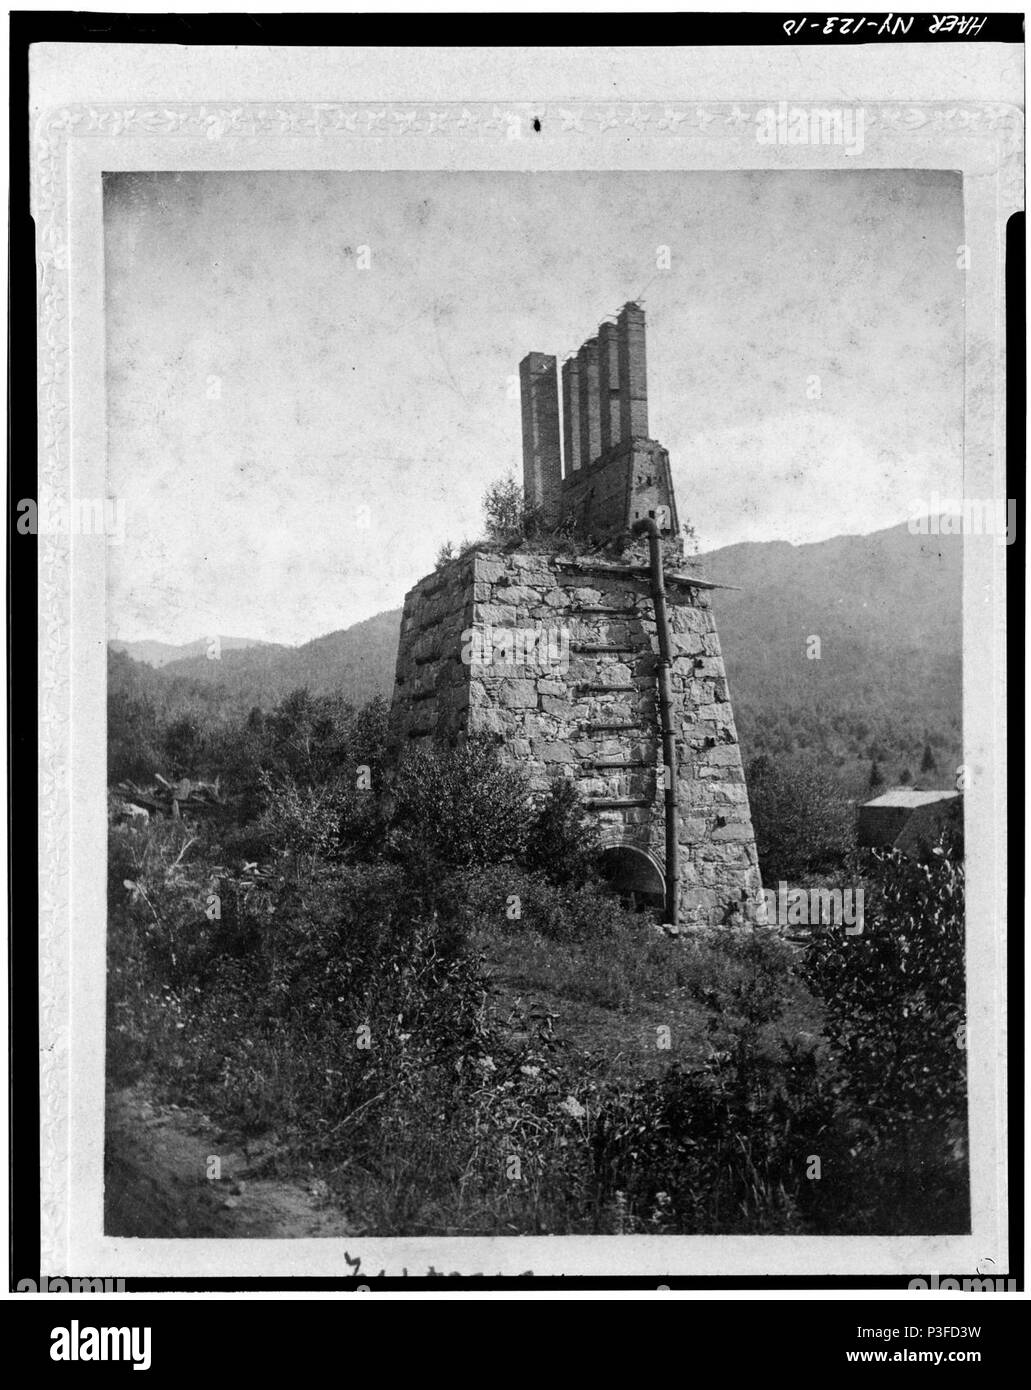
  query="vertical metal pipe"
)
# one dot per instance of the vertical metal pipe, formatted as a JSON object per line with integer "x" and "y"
{"x": 648, "y": 526}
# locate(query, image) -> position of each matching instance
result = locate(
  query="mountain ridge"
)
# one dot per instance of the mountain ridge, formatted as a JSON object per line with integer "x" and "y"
{"x": 726, "y": 559}
{"x": 848, "y": 647}
{"x": 158, "y": 654}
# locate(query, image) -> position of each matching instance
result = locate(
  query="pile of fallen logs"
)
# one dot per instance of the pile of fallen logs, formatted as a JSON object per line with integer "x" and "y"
{"x": 164, "y": 798}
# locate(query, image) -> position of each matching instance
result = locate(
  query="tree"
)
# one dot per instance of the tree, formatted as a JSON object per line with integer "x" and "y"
{"x": 307, "y": 736}
{"x": 184, "y": 747}
{"x": 905, "y": 777}
{"x": 801, "y": 819}
{"x": 134, "y": 738}
{"x": 928, "y": 763}
{"x": 504, "y": 511}
{"x": 876, "y": 777}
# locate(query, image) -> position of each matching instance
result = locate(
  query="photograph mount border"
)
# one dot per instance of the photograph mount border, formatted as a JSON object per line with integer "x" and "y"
{"x": 982, "y": 141}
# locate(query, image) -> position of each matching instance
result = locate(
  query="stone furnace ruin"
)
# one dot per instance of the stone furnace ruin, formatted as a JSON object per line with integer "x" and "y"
{"x": 588, "y": 652}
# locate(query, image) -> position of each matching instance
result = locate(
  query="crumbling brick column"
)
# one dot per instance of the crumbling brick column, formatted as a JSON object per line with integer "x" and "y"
{"x": 571, "y": 415}
{"x": 590, "y": 410}
{"x": 633, "y": 380}
{"x": 542, "y": 446}
{"x": 608, "y": 386}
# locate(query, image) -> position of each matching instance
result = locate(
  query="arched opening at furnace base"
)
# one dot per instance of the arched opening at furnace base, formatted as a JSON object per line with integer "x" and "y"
{"x": 634, "y": 875}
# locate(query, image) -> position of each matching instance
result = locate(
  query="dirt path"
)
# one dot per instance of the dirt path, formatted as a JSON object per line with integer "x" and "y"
{"x": 170, "y": 1173}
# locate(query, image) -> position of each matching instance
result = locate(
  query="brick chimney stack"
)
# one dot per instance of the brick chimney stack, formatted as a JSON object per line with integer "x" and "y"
{"x": 571, "y": 415}
{"x": 609, "y": 398}
{"x": 600, "y": 472}
{"x": 590, "y": 409}
{"x": 633, "y": 378}
{"x": 542, "y": 445}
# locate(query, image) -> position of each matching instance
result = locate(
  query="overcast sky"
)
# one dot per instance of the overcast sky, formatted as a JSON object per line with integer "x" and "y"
{"x": 263, "y": 390}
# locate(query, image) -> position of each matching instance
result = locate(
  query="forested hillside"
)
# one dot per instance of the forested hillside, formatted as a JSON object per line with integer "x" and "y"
{"x": 883, "y": 683}
{"x": 887, "y": 683}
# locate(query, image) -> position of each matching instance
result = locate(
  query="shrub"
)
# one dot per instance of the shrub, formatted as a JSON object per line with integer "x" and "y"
{"x": 895, "y": 995}
{"x": 725, "y": 1147}
{"x": 160, "y": 893}
{"x": 895, "y": 1019}
{"x": 561, "y": 839}
{"x": 458, "y": 807}
{"x": 722, "y": 1149}
{"x": 802, "y": 821}
{"x": 512, "y": 898}
{"x": 160, "y": 937}
{"x": 575, "y": 941}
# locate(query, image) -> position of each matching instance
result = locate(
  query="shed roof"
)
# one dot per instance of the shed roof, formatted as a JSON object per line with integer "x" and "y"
{"x": 909, "y": 798}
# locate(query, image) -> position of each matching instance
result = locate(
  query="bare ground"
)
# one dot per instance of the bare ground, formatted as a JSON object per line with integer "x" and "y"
{"x": 157, "y": 1183}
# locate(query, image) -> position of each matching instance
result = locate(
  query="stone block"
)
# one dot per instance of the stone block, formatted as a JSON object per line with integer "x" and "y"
{"x": 492, "y": 614}
{"x": 518, "y": 595}
{"x": 488, "y": 721}
{"x": 724, "y": 755}
{"x": 736, "y": 830}
{"x": 553, "y": 752}
{"x": 518, "y": 694}
{"x": 692, "y": 829}
{"x": 614, "y": 673}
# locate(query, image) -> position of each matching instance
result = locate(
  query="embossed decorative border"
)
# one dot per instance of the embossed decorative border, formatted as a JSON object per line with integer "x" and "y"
{"x": 991, "y": 136}
{"x": 512, "y": 121}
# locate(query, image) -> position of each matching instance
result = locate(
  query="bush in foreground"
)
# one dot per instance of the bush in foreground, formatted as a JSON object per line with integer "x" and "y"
{"x": 896, "y": 1024}
{"x": 340, "y": 1000}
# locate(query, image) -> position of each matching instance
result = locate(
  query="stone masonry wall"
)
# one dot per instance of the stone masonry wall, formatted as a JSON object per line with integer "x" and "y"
{"x": 555, "y": 658}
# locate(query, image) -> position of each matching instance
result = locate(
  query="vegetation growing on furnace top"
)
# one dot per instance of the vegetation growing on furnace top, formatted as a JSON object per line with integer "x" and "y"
{"x": 509, "y": 525}
{"x": 505, "y": 511}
